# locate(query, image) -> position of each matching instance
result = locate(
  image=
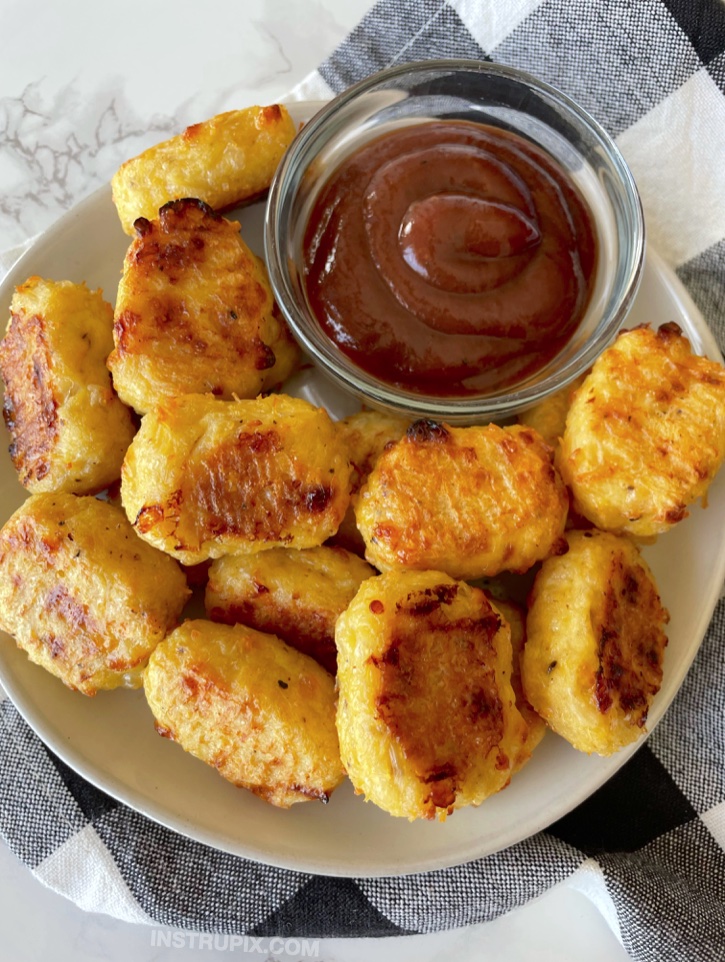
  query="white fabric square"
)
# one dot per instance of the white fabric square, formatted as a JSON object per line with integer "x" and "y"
{"x": 84, "y": 871}
{"x": 714, "y": 821}
{"x": 501, "y": 19}
{"x": 677, "y": 155}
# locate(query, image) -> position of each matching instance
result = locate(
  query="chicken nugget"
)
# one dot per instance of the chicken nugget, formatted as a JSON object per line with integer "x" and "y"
{"x": 548, "y": 416}
{"x": 69, "y": 430}
{"x": 426, "y": 713}
{"x": 224, "y": 161}
{"x": 515, "y": 616}
{"x": 366, "y": 435}
{"x": 80, "y": 592}
{"x": 645, "y": 433}
{"x": 258, "y": 711}
{"x": 595, "y": 642}
{"x": 296, "y": 595}
{"x": 469, "y": 501}
{"x": 205, "y": 477}
{"x": 195, "y": 313}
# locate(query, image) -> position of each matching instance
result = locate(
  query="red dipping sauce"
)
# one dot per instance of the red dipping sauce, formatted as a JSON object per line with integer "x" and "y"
{"x": 449, "y": 258}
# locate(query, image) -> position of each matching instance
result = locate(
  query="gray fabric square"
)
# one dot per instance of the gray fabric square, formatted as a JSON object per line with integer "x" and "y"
{"x": 37, "y": 813}
{"x": 690, "y": 739}
{"x": 396, "y": 32}
{"x": 476, "y": 892}
{"x": 617, "y": 59}
{"x": 716, "y": 69}
{"x": 670, "y": 897}
{"x": 704, "y": 276}
{"x": 182, "y": 883}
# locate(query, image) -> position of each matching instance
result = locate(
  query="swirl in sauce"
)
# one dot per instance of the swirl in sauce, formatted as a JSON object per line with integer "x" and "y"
{"x": 449, "y": 258}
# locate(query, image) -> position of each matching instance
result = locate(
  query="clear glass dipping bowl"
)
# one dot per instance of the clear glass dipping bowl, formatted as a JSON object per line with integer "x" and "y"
{"x": 478, "y": 92}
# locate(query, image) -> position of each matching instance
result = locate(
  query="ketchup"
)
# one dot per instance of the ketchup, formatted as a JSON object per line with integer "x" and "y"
{"x": 449, "y": 258}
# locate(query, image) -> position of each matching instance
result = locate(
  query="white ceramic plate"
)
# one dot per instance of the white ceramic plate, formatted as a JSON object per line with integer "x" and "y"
{"x": 110, "y": 739}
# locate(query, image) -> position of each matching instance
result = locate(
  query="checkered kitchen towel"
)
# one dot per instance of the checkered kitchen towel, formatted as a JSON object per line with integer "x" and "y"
{"x": 648, "y": 847}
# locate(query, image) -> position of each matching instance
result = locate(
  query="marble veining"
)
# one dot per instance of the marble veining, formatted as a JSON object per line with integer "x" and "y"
{"x": 57, "y": 147}
{"x": 64, "y": 134}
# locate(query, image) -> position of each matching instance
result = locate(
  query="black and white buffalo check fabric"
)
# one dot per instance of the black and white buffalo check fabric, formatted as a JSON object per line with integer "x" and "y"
{"x": 648, "y": 847}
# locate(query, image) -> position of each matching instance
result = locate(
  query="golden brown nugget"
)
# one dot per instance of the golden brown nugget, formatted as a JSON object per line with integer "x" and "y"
{"x": 645, "y": 433}
{"x": 296, "y": 595}
{"x": 204, "y": 477}
{"x": 366, "y": 434}
{"x": 69, "y": 430}
{"x": 548, "y": 416}
{"x": 426, "y": 713}
{"x": 224, "y": 161}
{"x": 515, "y": 616}
{"x": 595, "y": 642}
{"x": 469, "y": 501}
{"x": 195, "y": 313}
{"x": 82, "y": 594}
{"x": 255, "y": 709}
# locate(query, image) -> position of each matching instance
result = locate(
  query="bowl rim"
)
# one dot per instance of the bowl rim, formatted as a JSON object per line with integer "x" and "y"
{"x": 380, "y": 394}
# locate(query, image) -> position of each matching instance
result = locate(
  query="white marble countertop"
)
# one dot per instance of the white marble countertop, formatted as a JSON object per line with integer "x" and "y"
{"x": 83, "y": 86}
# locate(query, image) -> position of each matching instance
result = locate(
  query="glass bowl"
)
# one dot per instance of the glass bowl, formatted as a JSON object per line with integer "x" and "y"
{"x": 482, "y": 93}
